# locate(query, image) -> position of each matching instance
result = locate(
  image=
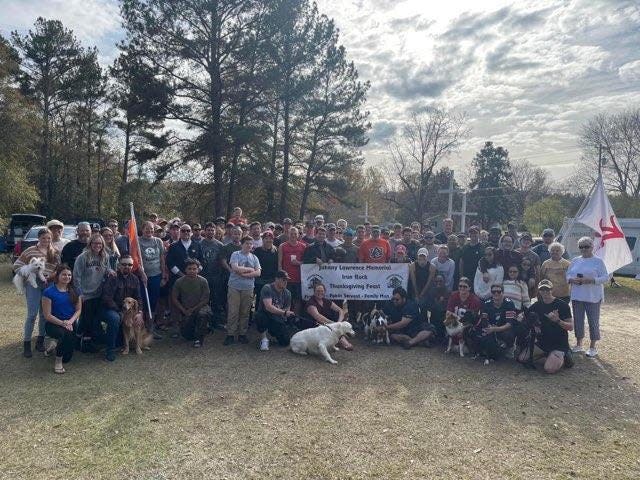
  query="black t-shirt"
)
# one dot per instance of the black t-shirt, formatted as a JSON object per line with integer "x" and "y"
{"x": 408, "y": 310}
{"x": 499, "y": 316}
{"x": 268, "y": 263}
{"x": 308, "y": 239}
{"x": 471, "y": 255}
{"x": 71, "y": 251}
{"x": 552, "y": 336}
{"x": 280, "y": 300}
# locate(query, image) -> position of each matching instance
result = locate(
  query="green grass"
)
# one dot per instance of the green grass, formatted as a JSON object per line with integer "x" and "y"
{"x": 234, "y": 412}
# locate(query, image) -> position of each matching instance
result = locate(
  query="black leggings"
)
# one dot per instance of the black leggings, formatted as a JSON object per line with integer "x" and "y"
{"x": 66, "y": 340}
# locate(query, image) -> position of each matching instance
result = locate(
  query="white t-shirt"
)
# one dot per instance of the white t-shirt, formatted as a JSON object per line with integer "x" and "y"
{"x": 592, "y": 267}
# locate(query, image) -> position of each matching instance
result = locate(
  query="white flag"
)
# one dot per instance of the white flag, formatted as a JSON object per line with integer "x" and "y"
{"x": 609, "y": 242}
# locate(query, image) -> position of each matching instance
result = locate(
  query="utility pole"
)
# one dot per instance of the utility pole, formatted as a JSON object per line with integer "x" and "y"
{"x": 450, "y": 191}
{"x": 463, "y": 213}
{"x": 366, "y": 211}
{"x": 599, "y": 159}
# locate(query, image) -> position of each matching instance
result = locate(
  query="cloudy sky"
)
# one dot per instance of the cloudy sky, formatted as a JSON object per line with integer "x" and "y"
{"x": 527, "y": 73}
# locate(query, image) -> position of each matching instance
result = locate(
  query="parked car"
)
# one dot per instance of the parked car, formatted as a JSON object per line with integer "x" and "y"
{"x": 31, "y": 238}
{"x": 19, "y": 225}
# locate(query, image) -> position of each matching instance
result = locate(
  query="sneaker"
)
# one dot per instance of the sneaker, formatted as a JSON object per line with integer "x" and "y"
{"x": 243, "y": 339}
{"x": 264, "y": 344}
{"x": 577, "y": 349}
{"x": 197, "y": 344}
{"x": 229, "y": 340}
{"x": 592, "y": 352}
{"x": 568, "y": 359}
{"x": 110, "y": 356}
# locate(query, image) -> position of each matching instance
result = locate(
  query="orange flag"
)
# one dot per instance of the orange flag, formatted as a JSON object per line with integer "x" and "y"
{"x": 134, "y": 246}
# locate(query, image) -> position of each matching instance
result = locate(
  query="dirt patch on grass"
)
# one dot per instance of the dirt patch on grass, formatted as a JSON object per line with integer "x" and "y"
{"x": 234, "y": 412}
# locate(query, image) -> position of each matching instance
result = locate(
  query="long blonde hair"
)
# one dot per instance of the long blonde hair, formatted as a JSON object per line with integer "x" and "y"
{"x": 103, "y": 251}
{"x": 113, "y": 247}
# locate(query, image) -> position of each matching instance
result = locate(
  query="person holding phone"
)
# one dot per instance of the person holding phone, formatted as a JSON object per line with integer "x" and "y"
{"x": 587, "y": 275}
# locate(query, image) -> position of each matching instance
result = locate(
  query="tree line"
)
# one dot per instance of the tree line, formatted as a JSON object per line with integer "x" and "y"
{"x": 212, "y": 104}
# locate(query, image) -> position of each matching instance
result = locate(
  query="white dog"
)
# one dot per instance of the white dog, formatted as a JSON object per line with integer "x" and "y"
{"x": 28, "y": 273}
{"x": 320, "y": 340}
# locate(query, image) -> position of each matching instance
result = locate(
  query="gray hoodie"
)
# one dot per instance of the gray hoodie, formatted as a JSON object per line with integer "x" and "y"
{"x": 89, "y": 272}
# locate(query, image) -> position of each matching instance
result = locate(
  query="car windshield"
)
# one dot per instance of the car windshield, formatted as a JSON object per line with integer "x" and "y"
{"x": 68, "y": 233}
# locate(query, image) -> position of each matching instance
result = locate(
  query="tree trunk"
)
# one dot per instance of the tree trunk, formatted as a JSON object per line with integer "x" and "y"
{"x": 215, "y": 93}
{"x": 284, "y": 185}
{"x": 270, "y": 182}
{"x": 127, "y": 151}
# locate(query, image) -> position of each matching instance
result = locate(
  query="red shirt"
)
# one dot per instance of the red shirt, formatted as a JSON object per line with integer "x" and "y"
{"x": 374, "y": 251}
{"x": 288, "y": 251}
{"x": 457, "y": 306}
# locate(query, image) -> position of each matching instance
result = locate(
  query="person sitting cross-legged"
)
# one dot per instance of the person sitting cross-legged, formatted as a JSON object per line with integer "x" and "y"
{"x": 273, "y": 313}
{"x": 190, "y": 296}
{"x": 116, "y": 289}
{"x": 406, "y": 326}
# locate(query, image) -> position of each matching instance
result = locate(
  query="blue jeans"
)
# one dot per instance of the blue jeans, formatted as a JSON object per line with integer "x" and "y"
{"x": 34, "y": 297}
{"x": 112, "y": 319}
{"x": 153, "y": 287}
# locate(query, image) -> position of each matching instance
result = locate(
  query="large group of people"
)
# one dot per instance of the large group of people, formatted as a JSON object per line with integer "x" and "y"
{"x": 231, "y": 273}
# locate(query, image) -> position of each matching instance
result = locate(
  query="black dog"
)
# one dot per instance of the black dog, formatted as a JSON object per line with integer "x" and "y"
{"x": 527, "y": 332}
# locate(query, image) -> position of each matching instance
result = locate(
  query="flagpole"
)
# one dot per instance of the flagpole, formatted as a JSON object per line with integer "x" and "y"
{"x": 146, "y": 291}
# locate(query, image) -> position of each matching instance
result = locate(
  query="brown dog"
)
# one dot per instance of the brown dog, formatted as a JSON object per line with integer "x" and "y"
{"x": 133, "y": 327}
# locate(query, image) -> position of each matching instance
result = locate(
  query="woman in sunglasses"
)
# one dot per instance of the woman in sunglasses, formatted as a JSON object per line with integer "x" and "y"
{"x": 498, "y": 316}
{"x": 463, "y": 300}
{"x": 587, "y": 275}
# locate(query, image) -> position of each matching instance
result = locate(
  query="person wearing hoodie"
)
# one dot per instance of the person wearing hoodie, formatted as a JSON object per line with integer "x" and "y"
{"x": 90, "y": 270}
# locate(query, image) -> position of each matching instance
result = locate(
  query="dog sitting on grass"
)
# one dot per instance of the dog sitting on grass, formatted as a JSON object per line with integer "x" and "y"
{"x": 133, "y": 327}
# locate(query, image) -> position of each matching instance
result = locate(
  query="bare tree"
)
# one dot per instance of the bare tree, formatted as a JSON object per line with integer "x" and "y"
{"x": 430, "y": 137}
{"x": 529, "y": 183}
{"x": 617, "y": 138}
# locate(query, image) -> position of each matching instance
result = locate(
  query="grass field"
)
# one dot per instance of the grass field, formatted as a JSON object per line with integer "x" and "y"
{"x": 382, "y": 412}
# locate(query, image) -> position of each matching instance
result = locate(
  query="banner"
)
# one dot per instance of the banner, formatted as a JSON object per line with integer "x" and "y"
{"x": 355, "y": 281}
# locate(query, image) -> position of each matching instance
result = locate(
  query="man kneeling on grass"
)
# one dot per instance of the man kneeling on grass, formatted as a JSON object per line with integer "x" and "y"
{"x": 274, "y": 313}
{"x": 190, "y": 296}
{"x": 406, "y": 326}
{"x": 552, "y": 345}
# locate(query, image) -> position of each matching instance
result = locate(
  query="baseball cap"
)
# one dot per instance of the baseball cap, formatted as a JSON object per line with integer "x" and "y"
{"x": 267, "y": 233}
{"x": 331, "y": 226}
{"x": 95, "y": 226}
{"x": 54, "y": 223}
{"x": 526, "y": 236}
{"x": 348, "y": 233}
{"x": 174, "y": 225}
{"x": 287, "y": 221}
{"x": 474, "y": 229}
{"x": 548, "y": 232}
{"x": 375, "y": 227}
{"x": 423, "y": 251}
{"x": 282, "y": 274}
{"x": 545, "y": 284}
{"x": 162, "y": 221}
{"x": 220, "y": 220}
{"x": 319, "y": 218}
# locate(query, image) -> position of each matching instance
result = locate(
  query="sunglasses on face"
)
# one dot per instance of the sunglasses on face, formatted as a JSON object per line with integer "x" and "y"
{"x": 583, "y": 247}
{"x": 544, "y": 289}
{"x": 185, "y": 231}
{"x": 126, "y": 264}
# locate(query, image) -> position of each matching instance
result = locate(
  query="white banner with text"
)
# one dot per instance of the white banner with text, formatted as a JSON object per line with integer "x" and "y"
{"x": 355, "y": 281}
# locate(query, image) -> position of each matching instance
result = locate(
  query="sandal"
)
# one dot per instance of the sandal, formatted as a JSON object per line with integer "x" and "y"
{"x": 59, "y": 370}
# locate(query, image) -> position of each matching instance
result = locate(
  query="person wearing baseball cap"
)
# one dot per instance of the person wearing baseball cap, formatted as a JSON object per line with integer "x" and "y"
{"x": 471, "y": 254}
{"x": 542, "y": 250}
{"x": 57, "y": 240}
{"x": 332, "y": 240}
{"x": 267, "y": 254}
{"x": 319, "y": 220}
{"x": 552, "y": 343}
{"x": 421, "y": 275}
{"x": 273, "y": 312}
{"x": 351, "y": 250}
